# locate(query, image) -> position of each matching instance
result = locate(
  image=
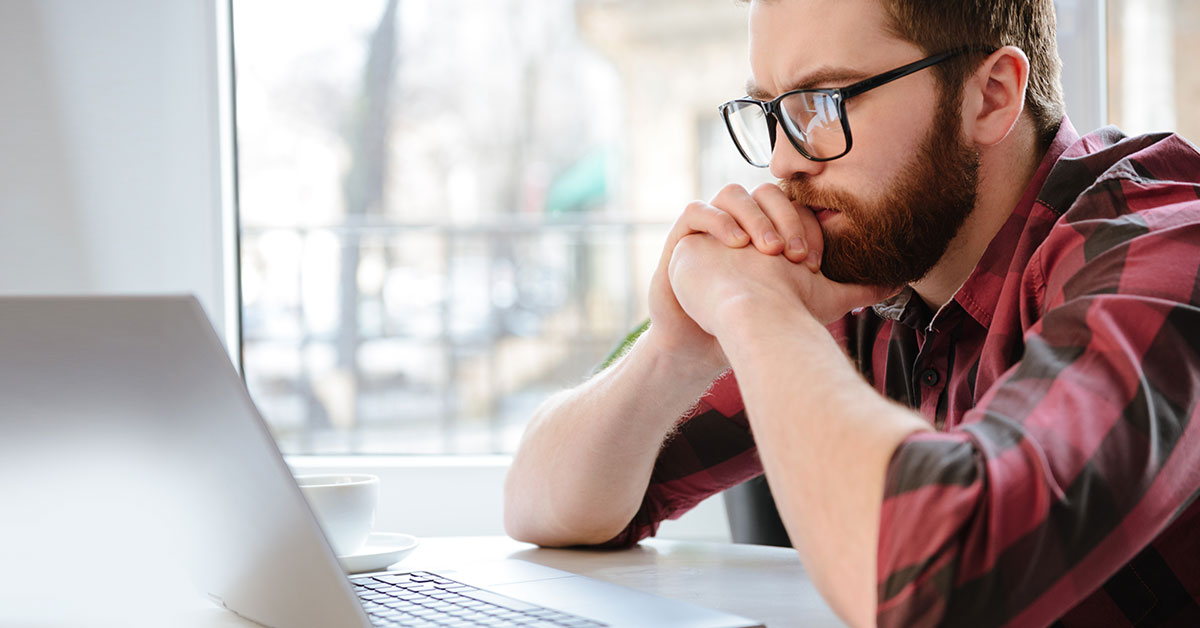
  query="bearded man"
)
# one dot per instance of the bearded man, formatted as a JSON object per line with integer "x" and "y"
{"x": 966, "y": 341}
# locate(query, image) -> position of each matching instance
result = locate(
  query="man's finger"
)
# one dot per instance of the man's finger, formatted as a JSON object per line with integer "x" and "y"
{"x": 738, "y": 203}
{"x": 813, "y": 236}
{"x": 797, "y": 224}
{"x": 701, "y": 217}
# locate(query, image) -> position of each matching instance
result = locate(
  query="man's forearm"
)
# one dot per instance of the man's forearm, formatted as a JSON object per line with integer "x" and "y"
{"x": 825, "y": 438}
{"x": 582, "y": 468}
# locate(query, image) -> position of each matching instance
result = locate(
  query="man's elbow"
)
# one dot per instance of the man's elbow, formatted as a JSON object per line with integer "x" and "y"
{"x": 542, "y": 526}
{"x": 531, "y": 530}
{"x": 526, "y": 519}
{"x": 522, "y": 528}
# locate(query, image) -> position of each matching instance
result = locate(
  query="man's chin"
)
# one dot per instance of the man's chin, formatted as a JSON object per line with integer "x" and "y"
{"x": 837, "y": 267}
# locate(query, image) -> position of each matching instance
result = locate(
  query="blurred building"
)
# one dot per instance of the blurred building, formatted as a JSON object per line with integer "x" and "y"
{"x": 451, "y": 210}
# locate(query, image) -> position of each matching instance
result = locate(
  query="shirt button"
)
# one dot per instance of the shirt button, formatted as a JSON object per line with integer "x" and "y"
{"x": 930, "y": 377}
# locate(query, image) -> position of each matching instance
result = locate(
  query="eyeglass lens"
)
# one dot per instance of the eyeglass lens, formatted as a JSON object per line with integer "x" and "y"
{"x": 749, "y": 127}
{"x": 811, "y": 118}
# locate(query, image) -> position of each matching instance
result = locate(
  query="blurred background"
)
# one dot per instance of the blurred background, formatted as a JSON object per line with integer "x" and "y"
{"x": 450, "y": 210}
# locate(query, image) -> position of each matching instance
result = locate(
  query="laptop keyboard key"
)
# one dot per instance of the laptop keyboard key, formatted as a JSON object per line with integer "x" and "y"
{"x": 500, "y": 600}
{"x": 422, "y": 599}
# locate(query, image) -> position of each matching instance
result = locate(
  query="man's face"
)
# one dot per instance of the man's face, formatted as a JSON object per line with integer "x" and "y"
{"x": 890, "y": 208}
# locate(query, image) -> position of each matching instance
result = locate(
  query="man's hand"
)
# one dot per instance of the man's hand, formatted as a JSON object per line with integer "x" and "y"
{"x": 710, "y": 280}
{"x": 766, "y": 218}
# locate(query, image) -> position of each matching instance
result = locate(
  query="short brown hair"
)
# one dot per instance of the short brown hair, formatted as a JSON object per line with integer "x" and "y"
{"x": 940, "y": 25}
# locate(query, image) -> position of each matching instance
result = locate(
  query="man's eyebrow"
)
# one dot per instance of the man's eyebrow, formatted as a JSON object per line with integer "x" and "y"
{"x": 822, "y": 77}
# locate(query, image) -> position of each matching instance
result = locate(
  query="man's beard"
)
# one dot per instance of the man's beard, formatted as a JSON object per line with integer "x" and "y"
{"x": 898, "y": 239}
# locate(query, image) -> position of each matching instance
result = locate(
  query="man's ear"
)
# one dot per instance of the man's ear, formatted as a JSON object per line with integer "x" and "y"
{"x": 994, "y": 96}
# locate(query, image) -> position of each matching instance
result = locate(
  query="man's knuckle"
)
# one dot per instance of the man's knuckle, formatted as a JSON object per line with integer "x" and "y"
{"x": 763, "y": 189}
{"x": 730, "y": 189}
{"x": 726, "y": 220}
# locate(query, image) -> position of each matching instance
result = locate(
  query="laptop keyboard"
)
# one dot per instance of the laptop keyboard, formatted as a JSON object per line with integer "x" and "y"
{"x": 421, "y": 599}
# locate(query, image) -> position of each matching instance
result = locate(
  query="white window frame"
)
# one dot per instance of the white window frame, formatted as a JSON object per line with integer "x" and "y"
{"x": 1082, "y": 44}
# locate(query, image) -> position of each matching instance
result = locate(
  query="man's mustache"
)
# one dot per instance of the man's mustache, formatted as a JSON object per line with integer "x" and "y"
{"x": 800, "y": 190}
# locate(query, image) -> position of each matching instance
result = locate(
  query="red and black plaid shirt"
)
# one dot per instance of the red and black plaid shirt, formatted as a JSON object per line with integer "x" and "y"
{"x": 1063, "y": 380}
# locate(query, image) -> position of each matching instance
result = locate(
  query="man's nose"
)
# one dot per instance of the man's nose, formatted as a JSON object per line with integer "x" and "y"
{"x": 787, "y": 162}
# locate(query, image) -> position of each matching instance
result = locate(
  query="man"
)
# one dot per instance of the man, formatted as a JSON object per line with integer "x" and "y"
{"x": 1010, "y": 439}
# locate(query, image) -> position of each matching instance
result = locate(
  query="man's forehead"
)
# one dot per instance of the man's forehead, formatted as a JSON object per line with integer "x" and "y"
{"x": 798, "y": 44}
{"x": 825, "y": 76}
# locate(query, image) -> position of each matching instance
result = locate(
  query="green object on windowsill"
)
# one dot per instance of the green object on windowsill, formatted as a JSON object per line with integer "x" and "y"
{"x": 623, "y": 348}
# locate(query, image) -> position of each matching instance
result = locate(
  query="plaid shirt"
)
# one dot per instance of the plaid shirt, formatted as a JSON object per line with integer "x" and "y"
{"x": 1063, "y": 379}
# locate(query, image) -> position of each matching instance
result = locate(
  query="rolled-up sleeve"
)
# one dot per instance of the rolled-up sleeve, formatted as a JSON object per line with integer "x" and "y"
{"x": 711, "y": 450}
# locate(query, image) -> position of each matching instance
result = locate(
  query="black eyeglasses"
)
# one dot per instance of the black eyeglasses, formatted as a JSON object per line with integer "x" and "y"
{"x": 814, "y": 120}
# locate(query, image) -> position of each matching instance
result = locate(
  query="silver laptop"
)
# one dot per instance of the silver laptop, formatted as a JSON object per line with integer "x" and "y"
{"x": 135, "y": 467}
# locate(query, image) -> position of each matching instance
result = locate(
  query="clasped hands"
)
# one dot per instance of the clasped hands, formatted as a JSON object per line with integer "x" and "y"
{"x": 709, "y": 275}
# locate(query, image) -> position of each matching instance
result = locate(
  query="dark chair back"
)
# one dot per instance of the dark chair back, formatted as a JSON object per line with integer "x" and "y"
{"x": 753, "y": 517}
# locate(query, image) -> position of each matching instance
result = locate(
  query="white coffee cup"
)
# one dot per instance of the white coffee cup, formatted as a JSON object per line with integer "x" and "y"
{"x": 344, "y": 505}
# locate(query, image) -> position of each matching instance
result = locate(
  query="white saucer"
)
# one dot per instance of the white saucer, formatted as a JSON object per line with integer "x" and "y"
{"x": 381, "y": 550}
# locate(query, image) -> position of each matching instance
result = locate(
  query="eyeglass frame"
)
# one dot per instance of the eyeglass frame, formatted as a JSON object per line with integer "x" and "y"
{"x": 840, "y": 95}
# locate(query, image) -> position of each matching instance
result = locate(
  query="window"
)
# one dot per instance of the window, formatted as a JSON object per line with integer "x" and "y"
{"x": 1152, "y": 83}
{"x": 451, "y": 209}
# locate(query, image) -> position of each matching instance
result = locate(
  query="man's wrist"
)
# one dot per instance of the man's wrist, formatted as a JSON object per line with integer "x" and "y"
{"x": 685, "y": 365}
{"x": 742, "y": 321}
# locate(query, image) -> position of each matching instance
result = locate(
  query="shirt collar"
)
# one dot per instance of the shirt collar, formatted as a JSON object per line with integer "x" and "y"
{"x": 981, "y": 291}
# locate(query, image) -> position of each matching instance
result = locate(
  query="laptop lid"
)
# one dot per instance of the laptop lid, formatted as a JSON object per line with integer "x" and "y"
{"x": 134, "y": 461}
{"x": 137, "y": 470}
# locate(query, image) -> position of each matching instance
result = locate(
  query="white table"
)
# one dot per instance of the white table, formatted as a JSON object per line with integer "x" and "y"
{"x": 763, "y": 583}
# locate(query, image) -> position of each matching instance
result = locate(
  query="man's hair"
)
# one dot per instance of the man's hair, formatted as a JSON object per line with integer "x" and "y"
{"x": 940, "y": 25}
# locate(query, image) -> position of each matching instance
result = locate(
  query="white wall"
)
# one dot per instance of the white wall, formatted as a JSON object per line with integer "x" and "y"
{"x": 111, "y": 141}
{"x": 463, "y": 496}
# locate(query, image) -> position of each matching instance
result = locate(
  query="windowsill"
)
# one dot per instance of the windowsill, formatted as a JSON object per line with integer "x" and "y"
{"x": 445, "y": 495}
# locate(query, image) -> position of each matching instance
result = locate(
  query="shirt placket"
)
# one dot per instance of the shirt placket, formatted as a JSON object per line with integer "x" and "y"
{"x": 930, "y": 374}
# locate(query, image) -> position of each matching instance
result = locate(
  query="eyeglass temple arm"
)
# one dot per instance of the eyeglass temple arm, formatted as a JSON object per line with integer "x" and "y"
{"x": 904, "y": 70}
